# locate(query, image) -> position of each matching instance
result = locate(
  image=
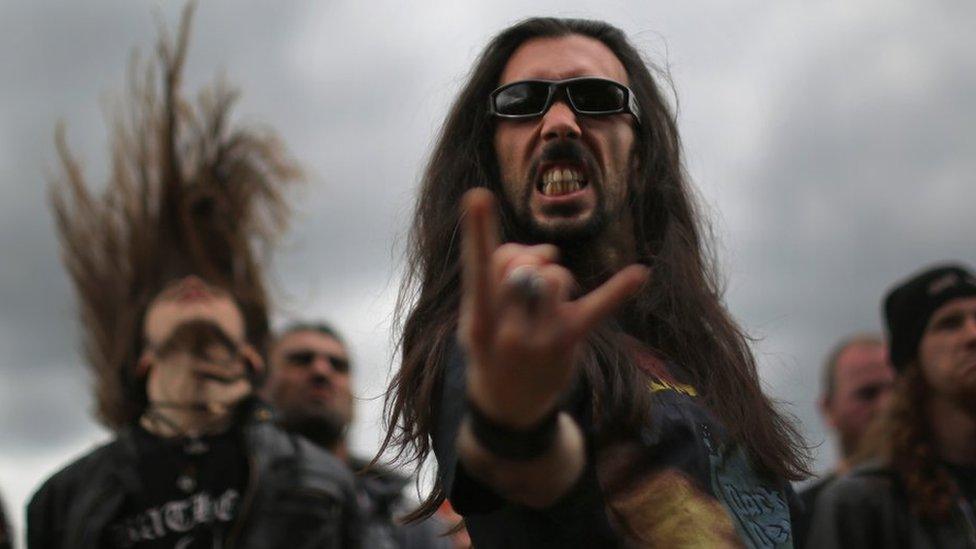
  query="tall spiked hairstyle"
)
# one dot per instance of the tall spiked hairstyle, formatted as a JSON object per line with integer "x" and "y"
{"x": 186, "y": 194}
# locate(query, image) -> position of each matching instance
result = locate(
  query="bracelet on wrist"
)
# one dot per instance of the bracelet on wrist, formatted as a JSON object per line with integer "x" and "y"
{"x": 511, "y": 443}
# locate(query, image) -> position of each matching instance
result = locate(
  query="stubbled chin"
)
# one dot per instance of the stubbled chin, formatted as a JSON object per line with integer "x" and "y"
{"x": 563, "y": 229}
{"x": 563, "y": 216}
{"x": 568, "y": 223}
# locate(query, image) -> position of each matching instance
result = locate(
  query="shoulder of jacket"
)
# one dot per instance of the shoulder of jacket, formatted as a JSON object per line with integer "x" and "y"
{"x": 867, "y": 483}
{"x": 872, "y": 471}
{"x": 87, "y": 468}
{"x": 281, "y": 449}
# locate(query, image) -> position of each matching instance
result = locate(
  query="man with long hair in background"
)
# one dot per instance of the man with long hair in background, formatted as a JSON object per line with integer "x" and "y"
{"x": 915, "y": 486}
{"x": 565, "y": 351}
{"x": 174, "y": 317}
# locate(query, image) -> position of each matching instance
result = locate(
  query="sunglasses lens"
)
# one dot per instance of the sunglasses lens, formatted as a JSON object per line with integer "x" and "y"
{"x": 522, "y": 99}
{"x": 301, "y": 358}
{"x": 306, "y": 358}
{"x": 339, "y": 364}
{"x": 597, "y": 96}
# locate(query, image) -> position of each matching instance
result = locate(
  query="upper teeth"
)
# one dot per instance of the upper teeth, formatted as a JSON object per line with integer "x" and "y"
{"x": 561, "y": 181}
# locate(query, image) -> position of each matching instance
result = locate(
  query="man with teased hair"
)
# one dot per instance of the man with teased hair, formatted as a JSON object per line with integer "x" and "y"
{"x": 566, "y": 354}
{"x": 915, "y": 484}
{"x": 174, "y": 319}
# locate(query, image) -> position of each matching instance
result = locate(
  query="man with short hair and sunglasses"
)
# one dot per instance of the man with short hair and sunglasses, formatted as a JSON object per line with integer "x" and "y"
{"x": 310, "y": 384}
{"x": 174, "y": 319}
{"x": 566, "y": 354}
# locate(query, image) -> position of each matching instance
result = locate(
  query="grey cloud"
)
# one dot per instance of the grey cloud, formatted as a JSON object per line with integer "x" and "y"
{"x": 833, "y": 144}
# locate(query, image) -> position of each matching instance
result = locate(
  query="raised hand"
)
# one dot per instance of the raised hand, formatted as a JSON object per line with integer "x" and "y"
{"x": 518, "y": 324}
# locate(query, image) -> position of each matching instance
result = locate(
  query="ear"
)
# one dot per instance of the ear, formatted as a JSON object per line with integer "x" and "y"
{"x": 253, "y": 359}
{"x": 826, "y": 412}
{"x": 144, "y": 364}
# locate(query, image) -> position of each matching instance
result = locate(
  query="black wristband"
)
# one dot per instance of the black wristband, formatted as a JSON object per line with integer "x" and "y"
{"x": 513, "y": 444}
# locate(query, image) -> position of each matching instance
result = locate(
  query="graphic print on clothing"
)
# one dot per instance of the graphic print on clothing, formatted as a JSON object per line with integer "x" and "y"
{"x": 181, "y": 520}
{"x": 762, "y": 514}
{"x": 681, "y": 483}
{"x": 190, "y": 492}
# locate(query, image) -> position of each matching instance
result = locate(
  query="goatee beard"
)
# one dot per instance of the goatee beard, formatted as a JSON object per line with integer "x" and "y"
{"x": 578, "y": 237}
{"x": 325, "y": 431}
{"x": 571, "y": 152}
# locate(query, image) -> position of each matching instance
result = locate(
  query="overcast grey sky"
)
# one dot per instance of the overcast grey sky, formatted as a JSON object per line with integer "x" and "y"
{"x": 832, "y": 143}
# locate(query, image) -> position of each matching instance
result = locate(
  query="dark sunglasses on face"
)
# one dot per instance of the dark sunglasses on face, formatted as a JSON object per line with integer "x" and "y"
{"x": 306, "y": 357}
{"x": 586, "y": 95}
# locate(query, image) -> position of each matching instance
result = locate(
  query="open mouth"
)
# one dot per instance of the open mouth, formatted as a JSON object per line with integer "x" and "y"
{"x": 560, "y": 180}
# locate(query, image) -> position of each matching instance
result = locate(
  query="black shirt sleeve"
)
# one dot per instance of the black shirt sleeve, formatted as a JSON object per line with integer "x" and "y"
{"x": 577, "y": 519}
{"x": 466, "y": 494}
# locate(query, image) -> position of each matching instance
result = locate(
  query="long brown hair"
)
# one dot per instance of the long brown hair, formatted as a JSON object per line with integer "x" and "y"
{"x": 679, "y": 314}
{"x": 902, "y": 440}
{"x": 187, "y": 194}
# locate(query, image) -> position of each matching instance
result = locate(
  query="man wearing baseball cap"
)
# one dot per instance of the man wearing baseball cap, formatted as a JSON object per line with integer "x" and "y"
{"x": 916, "y": 486}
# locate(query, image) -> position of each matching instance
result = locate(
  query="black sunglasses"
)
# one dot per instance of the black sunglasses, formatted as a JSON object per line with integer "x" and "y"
{"x": 306, "y": 357}
{"x": 586, "y": 95}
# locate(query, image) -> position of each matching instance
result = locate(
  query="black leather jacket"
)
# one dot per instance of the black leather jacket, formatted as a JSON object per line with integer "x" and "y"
{"x": 382, "y": 503}
{"x": 868, "y": 509}
{"x": 297, "y": 496}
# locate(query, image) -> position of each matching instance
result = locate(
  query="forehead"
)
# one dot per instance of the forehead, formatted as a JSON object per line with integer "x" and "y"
{"x": 863, "y": 351}
{"x": 310, "y": 340}
{"x": 863, "y": 363}
{"x": 563, "y": 57}
{"x": 959, "y": 305}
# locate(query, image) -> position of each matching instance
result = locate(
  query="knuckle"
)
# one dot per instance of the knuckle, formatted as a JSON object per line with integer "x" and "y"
{"x": 508, "y": 250}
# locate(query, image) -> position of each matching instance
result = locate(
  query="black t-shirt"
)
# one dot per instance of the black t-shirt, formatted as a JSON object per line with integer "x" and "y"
{"x": 190, "y": 493}
{"x": 678, "y": 483}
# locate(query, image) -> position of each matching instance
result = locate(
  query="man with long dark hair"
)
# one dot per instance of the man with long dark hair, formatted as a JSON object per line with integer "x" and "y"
{"x": 915, "y": 486}
{"x": 566, "y": 354}
{"x": 174, "y": 317}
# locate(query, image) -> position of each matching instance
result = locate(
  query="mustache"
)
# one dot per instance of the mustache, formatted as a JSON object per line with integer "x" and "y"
{"x": 568, "y": 151}
{"x": 563, "y": 150}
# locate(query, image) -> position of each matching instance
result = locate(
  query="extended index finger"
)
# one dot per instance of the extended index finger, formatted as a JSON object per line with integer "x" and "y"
{"x": 479, "y": 240}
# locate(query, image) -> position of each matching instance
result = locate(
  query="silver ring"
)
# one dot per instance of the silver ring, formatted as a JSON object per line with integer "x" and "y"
{"x": 527, "y": 284}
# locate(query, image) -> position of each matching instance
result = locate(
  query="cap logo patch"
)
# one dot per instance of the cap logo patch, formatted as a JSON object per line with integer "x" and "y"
{"x": 941, "y": 284}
